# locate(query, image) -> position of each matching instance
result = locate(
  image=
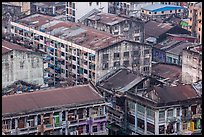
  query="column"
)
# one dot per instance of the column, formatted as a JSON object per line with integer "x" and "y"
{"x": 156, "y": 122}
{"x": 145, "y": 121}
{"x": 135, "y": 117}
{"x": 36, "y": 120}
{"x": 16, "y": 126}
{"x": 174, "y": 115}
{"x": 165, "y": 118}
{"x": 66, "y": 119}
{"x": 181, "y": 126}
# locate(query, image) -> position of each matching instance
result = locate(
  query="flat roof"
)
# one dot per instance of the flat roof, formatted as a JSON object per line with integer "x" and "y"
{"x": 51, "y": 98}
{"x": 74, "y": 32}
{"x": 162, "y": 7}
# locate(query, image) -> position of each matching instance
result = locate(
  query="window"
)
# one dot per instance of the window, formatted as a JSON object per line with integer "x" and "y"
{"x": 140, "y": 123}
{"x": 90, "y": 3}
{"x": 116, "y": 64}
{"x": 94, "y": 128}
{"x": 97, "y": 3}
{"x": 155, "y": 12}
{"x": 150, "y": 13}
{"x": 131, "y": 105}
{"x": 199, "y": 29}
{"x": 162, "y": 12}
{"x": 11, "y": 56}
{"x": 150, "y": 127}
{"x": 150, "y": 112}
{"x": 126, "y": 63}
{"x": 87, "y": 128}
{"x": 161, "y": 129}
{"x": 179, "y": 10}
{"x": 73, "y": 66}
{"x": 104, "y": 66}
{"x": 191, "y": 11}
{"x": 170, "y": 113}
{"x": 105, "y": 57}
{"x": 140, "y": 108}
{"x": 126, "y": 54}
{"x": 146, "y": 51}
{"x": 146, "y": 69}
{"x": 21, "y": 64}
{"x": 101, "y": 126}
{"x": 73, "y": 13}
{"x": 131, "y": 119}
{"x": 170, "y": 11}
{"x": 116, "y": 55}
{"x": 73, "y": 5}
{"x": 142, "y": 10}
{"x": 85, "y": 71}
{"x": 178, "y": 112}
{"x": 161, "y": 115}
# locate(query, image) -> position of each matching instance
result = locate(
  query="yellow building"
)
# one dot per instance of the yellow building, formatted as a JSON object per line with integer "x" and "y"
{"x": 195, "y": 20}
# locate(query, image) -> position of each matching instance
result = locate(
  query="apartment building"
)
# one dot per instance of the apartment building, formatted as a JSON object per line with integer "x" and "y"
{"x": 78, "y": 110}
{"x": 192, "y": 64}
{"x": 76, "y": 10}
{"x": 19, "y": 63}
{"x": 49, "y": 8}
{"x": 167, "y": 110}
{"x": 113, "y": 87}
{"x": 195, "y": 20}
{"x": 161, "y": 11}
{"x": 138, "y": 109}
{"x": 119, "y": 7}
{"x": 78, "y": 51}
{"x": 25, "y": 6}
{"x": 130, "y": 28}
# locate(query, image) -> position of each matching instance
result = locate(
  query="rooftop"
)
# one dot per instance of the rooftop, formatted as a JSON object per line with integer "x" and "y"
{"x": 107, "y": 18}
{"x": 195, "y": 48}
{"x": 52, "y": 98}
{"x": 77, "y": 33}
{"x": 176, "y": 93}
{"x": 178, "y": 49}
{"x": 48, "y": 4}
{"x": 8, "y": 46}
{"x": 121, "y": 80}
{"x": 155, "y": 29}
{"x": 165, "y": 71}
{"x": 162, "y": 7}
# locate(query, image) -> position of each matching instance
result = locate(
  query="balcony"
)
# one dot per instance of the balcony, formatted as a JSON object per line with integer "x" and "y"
{"x": 131, "y": 127}
{"x": 99, "y": 118}
{"x": 73, "y": 123}
{"x": 48, "y": 127}
{"x": 100, "y": 133}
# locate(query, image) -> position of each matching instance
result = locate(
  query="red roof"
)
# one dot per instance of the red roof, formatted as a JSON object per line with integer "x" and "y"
{"x": 39, "y": 100}
{"x": 8, "y": 46}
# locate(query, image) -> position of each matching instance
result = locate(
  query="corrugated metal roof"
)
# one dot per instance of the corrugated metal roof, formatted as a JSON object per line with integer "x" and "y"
{"x": 162, "y": 7}
{"x": 8, "y": 46}
{"x": 176, "y": 93}
{"x": 52, "y": 98}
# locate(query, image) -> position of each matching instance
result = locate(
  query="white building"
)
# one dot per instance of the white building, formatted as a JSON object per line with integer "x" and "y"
{"x": 76, "y": 10}
{"x": 19, "y": 63}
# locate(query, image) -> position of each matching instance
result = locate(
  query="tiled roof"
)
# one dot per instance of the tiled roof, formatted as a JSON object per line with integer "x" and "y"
{"x": 8, "y": 46}
{"x": 52, "y": 98}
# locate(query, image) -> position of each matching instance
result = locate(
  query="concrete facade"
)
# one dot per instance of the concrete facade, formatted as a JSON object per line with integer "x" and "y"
{"x": 192, "y": 64}
{"x": 18, "y": 65}
{"x": 195, "y": 20}
{"x": 76, "y": 10}
{"x": 130, "y": 28}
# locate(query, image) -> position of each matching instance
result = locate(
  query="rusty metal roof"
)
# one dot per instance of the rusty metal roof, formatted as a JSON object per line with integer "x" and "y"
{"x": 8, "y": 46}
{"x": 121, "y": 80}
{"x": 176, "y": 93}
{"x": 52, "y": 98}
{"x": 172, "y": 72}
